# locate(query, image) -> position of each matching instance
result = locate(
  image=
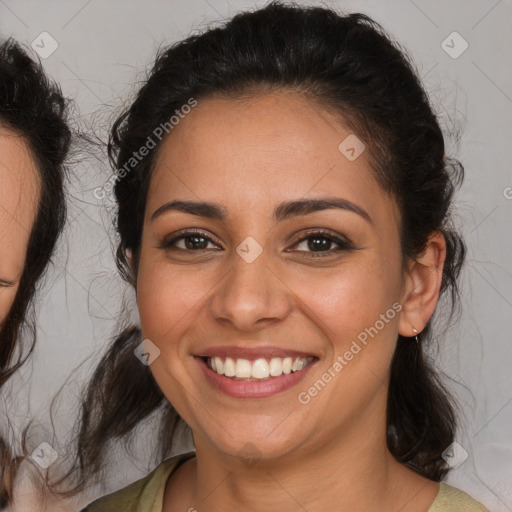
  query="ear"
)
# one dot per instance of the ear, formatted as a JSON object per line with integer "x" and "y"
{"x": 129, "y": 260}
{"x": 422, "y": 286}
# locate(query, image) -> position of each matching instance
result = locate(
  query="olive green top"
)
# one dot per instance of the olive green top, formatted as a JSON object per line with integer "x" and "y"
{"x": 146, "y": 494}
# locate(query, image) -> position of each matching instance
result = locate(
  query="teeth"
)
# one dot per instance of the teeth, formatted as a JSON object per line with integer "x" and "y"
{"x": 259, "y": 369}
{"x": 287, "y": 365}
{"x": 219, "y": 365}
{"x": 276, "y": 367}
{"x": 243, "y": 369}
{"x": 298, "y": 365}
{"x": 229, "y": 367}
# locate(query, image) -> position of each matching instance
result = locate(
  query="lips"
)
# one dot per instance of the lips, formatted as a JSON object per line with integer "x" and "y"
{"x": 254, "y": 372}
{"x": 252, "y": 353}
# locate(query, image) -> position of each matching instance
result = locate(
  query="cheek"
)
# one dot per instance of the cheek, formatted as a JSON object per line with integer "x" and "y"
{"x": 348, "y": 300}
{"x": 357, "y": 313}
{"x": 166, "y": 297}
{"x": 354, "y": 309}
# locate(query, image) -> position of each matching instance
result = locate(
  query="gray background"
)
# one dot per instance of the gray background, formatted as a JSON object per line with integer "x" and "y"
{"x": 103, "y": 51}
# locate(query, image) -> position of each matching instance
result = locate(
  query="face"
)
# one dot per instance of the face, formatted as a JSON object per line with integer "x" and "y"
{"x": 19, "y": 189}
{"x": 269, "y": 279}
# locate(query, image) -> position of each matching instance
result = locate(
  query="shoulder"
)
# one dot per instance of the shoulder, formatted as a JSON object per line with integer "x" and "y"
{"x": 451, "y": 499}
{"x": 142, "y": 495}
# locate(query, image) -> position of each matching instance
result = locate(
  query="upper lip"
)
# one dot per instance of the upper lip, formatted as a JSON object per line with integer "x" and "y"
{"x": 251, "y": 353}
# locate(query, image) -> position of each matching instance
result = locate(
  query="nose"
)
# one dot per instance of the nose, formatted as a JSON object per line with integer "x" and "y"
{"x": 251, "y": 295}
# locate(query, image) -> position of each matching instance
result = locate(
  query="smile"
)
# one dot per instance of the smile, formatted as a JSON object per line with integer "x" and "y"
{"x": 258, "y": 369}
{"x": 250, "y": 373}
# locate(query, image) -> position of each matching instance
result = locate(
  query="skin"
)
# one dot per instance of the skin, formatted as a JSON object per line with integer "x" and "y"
{"x": 250, "y": 155}
{"x": 19, "y": 196}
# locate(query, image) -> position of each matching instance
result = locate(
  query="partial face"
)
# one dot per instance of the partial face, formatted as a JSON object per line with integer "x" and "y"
{"x": 266, "y": 286}
{"x": 19, "y": 196}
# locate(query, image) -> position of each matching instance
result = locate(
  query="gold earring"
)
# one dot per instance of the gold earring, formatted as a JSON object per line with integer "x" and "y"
{"x": 416, "y": 334}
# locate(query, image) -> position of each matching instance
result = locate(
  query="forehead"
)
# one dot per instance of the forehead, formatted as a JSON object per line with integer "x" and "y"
{"x": 17, "y": 166}
{"x": 261, "y": 149}
{"x": 19, "y": 186}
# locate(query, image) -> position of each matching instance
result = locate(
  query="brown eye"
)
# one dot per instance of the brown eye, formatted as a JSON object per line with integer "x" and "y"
{"x": 192, "y": 241}
{"x": 321, "y": 242}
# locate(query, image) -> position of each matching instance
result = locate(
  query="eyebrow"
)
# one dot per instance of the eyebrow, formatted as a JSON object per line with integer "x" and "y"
{"x": 284, "y": 211}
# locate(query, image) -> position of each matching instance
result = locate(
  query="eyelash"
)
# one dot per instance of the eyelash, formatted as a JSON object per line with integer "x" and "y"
{"x": 344, "y": 245}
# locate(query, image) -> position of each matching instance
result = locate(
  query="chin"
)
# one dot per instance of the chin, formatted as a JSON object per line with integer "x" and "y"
{"x": 250, "y": 447}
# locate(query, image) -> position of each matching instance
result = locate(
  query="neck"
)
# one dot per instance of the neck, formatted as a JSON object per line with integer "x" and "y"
{"x": 300, "y": 480}
{"x": 354, "y": 470}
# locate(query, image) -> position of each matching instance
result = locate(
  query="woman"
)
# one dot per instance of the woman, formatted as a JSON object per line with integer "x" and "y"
{"x": 283, "y": 196}
{"x": 34, "y": 141}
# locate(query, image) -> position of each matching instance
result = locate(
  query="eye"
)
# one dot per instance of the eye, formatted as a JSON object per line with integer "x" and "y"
{"x": 321, "y": 241}
{"x": 316, "y": 241}
{"x": 192, "y": 241}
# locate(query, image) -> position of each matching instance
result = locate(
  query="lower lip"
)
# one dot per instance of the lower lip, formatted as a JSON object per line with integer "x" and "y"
{"x": 253, "y": 389}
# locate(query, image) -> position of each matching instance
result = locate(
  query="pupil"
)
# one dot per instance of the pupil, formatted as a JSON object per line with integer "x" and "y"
{"x": 192, "y": 245}
{"x": 313, "y": 245}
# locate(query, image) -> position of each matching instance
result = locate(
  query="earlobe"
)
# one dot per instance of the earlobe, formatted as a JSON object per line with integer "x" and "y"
{"x": 422, "y": 286}
{"x": 129, "y": 258}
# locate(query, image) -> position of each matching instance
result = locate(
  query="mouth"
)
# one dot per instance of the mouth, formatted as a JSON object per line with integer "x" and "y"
{"x": 254, "y": 375}
{"x": 258, "y": 370}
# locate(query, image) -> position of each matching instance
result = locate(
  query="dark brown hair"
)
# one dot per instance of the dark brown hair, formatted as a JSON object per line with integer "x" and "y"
{"x": 348, "y": 64}
{"x": 32, "y": 107}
